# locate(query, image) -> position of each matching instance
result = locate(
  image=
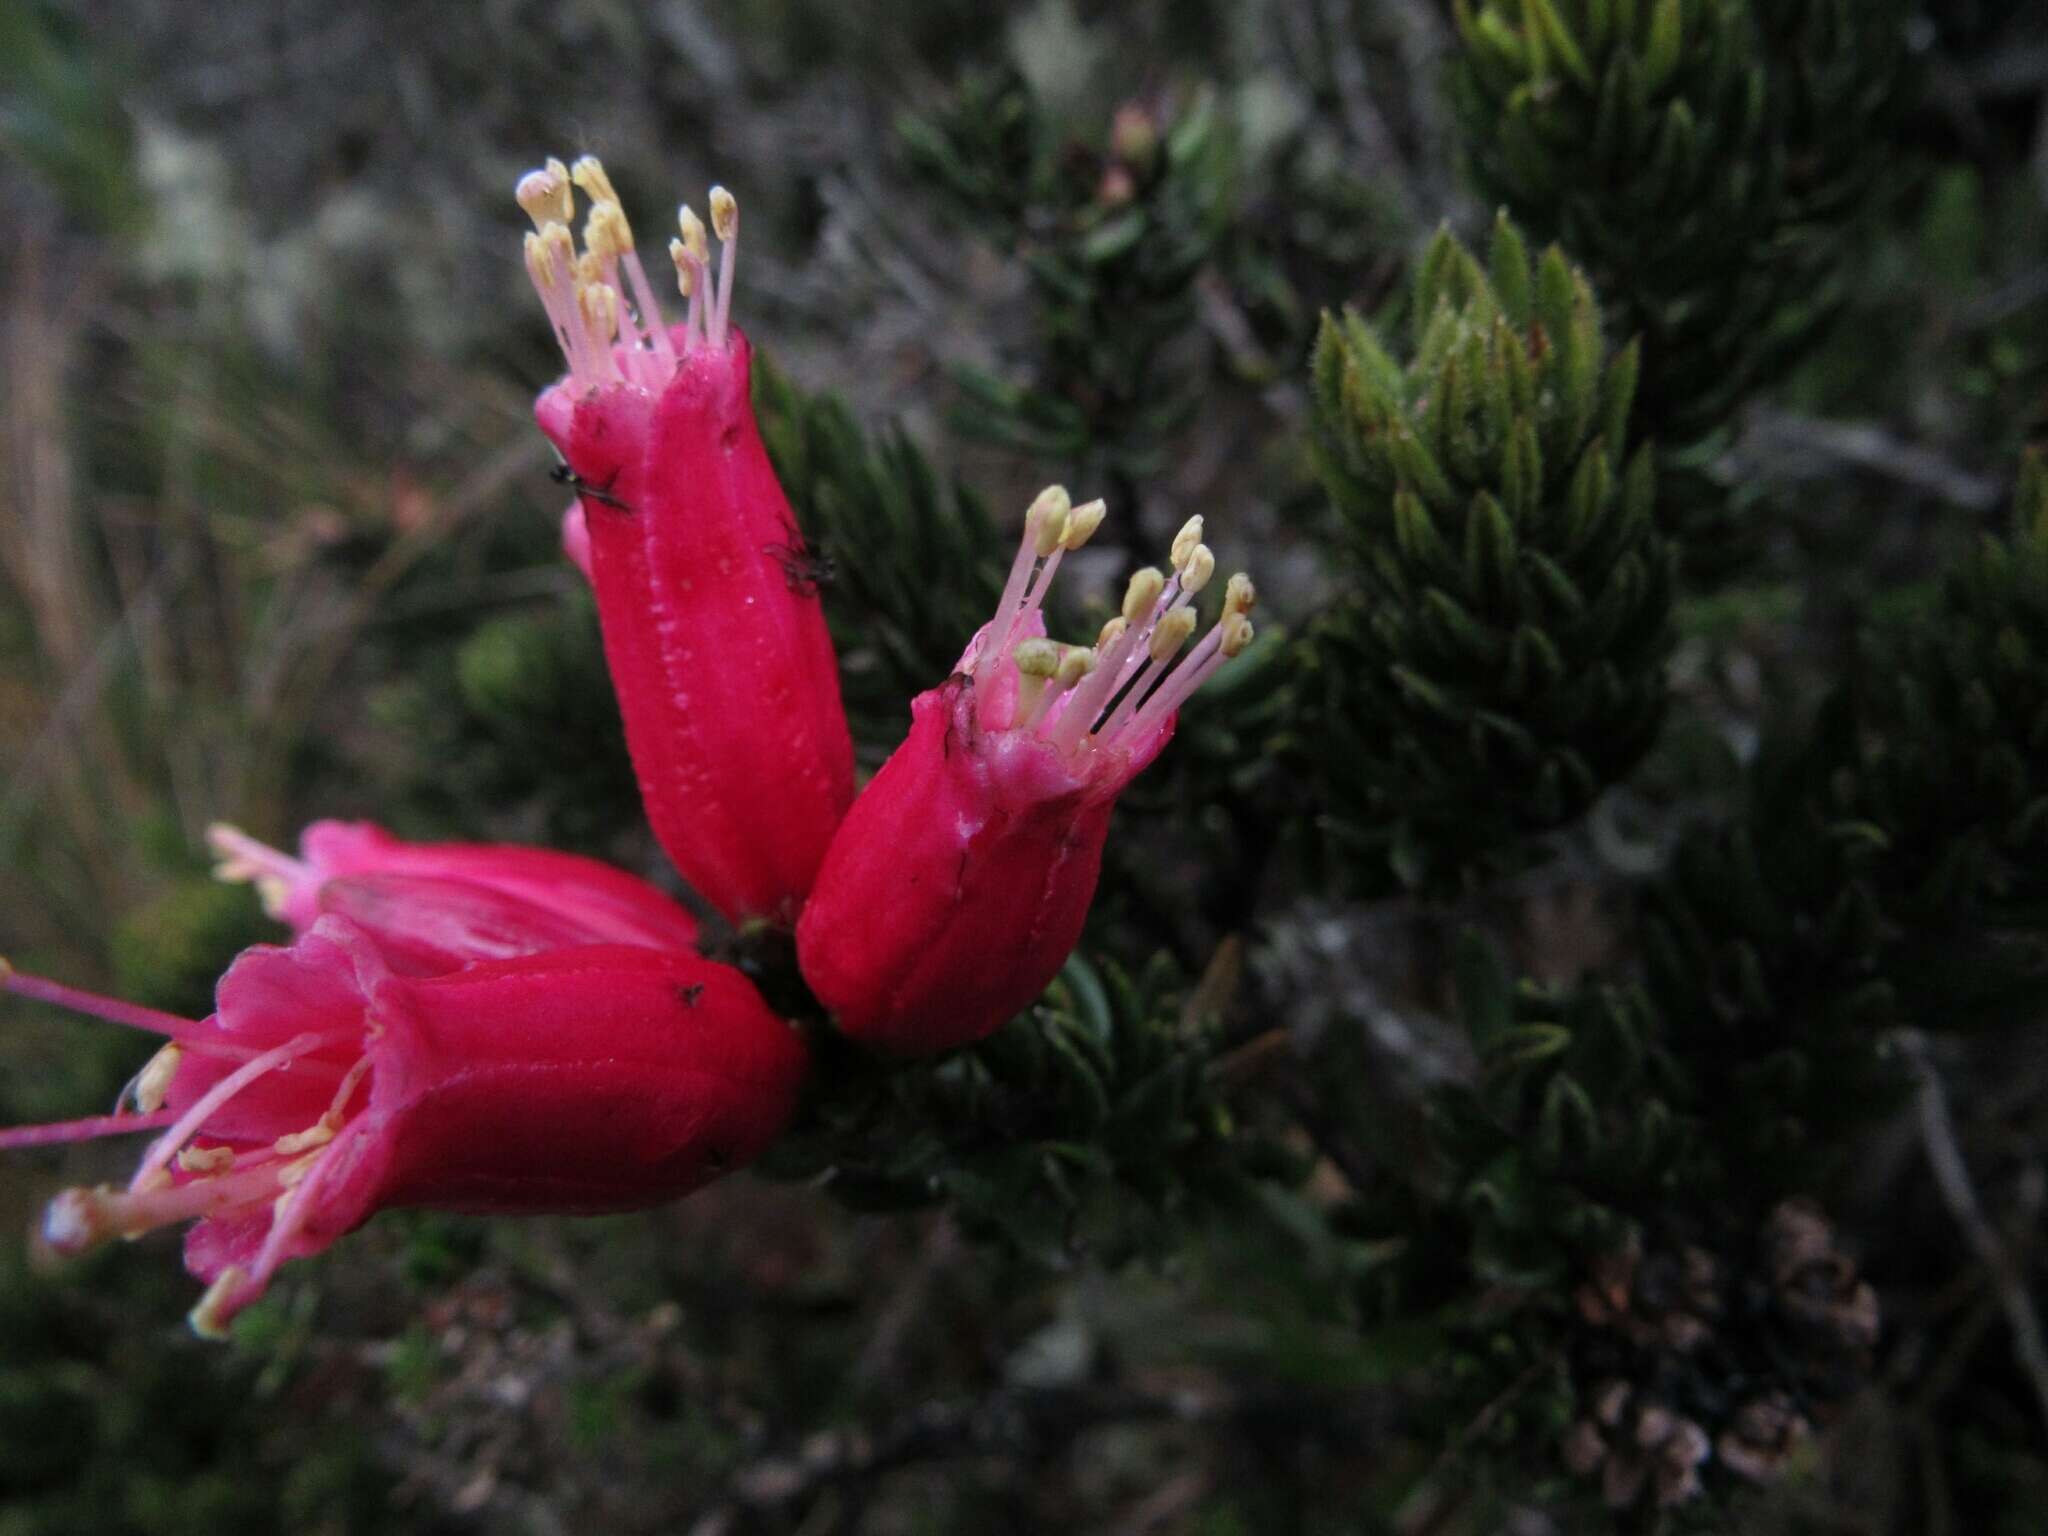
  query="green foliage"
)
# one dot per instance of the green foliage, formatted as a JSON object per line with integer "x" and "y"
{"x": 519, "y": 714}
{"x": 1708, "y": 162}
{"x": 1112, "y": 238}
{"x": 169, "y": 952}
{"x": 909, "y": 568}
{"x": 1500, "y": 659}
{"x": 1885, "y": 871}
{"x": 1951, "y": 759}
{"x": 1089, "y": 1119}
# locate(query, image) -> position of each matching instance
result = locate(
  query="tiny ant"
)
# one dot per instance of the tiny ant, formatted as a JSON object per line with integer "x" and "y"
{"x": 562, "y": 474}
{"x": 804, "y": 569}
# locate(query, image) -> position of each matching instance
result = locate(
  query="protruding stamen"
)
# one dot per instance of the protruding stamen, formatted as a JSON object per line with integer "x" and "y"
{"x": 161, "y": 1152}
{"x": 725, "y": 215}
{"x": 57, "y": 1132}
{"x": 1076, "y": 664}
{"x": 204, "y": 1162}
{"x": 1052, "y": 530}
{"x": 1082, "y": 522}
{"x": 154, "y": 1080}
{"x": 1049, "y": 505}
{"x": 1200, "y": 567}
{"x": 694, "y": 239}
{"x": 240, "y": 858}
{"x": 1239, "y": 595}
{"x": 725, "y": 219}
{"x": 1111, "y": 632}
{"x": 606, "y": 234}
{"x": 1037, "y": 662}
{"x": 209, "y": 1318}
{"x": 1171, "y": 635}
{"x": 111, "y": 1009}
{"x": 1185, "y": 541}
{"x": 589, "y": 174}
{"x": 696, "y": 258}
{"x": 1145, "y": 586}
{"x": 545, "y": 195}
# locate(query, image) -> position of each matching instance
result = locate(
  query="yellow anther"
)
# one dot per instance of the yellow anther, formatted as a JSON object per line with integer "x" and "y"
{"x": 1239, "y": 595}
{"x": 1112, "y": 632}
{"x": 208, "y": 1319}
{"x": 539, "y": 267}
{"x": 694, "y": 239}
{"x": 590, "y": 176}
{"x": 291, "y": 1173}
{"x": 1075, "y": 665}
{"x": 590, "y": 268}
{"x": 606, "y": 234}
{"x": 1201, "y": 566}
{"x": 686, "y": 277}
{"x": 151, "y": 1182}
{"x": 546, "y": 196}
{"x": 1237, "y": 634}
{"x": 1172, "y": 633}
{"x": 206, "y": 1160}
{"x": 1082, "y": 523}
{"x": 1185, "y": 541}
{"x": 318, "y": 1134}
{"x": 1142, "y": 593}
{"x": 154, "y": 1080}
{"x": 551, "y": 255}
{"x": 1046, "y": 518}
{"x": 1037, "y": 658}
{"x": 725, "y": 214}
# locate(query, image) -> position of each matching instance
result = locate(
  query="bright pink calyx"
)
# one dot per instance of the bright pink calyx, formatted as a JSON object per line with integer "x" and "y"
{"x": 713, "y": 633}
{"x": 327, "y": 1088}
{"x": 960, "y": 880}
{"x": 434, "y": 907}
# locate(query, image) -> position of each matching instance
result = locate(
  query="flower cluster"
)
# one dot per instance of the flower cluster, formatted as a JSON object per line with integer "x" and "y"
{"x": 480, "y": 1027}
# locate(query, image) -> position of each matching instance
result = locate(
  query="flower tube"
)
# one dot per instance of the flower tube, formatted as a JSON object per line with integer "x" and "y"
{"x": 959, "y": 882}
{"x": 717, "y": 646}
{"x": 325, "y": 1088}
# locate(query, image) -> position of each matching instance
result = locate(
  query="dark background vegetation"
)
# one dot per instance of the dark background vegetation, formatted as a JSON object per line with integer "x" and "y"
{"x": 1571, "y": 996}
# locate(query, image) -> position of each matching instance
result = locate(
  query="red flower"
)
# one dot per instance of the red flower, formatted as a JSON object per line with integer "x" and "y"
{"x": 434, "y": 907}
{"x": 326, "y": 1088}
{"x": 716, "y": 644}
{"x": 959, "y": 881}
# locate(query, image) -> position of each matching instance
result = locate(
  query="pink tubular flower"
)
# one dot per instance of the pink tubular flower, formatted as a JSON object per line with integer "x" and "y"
{"x": 717, "y": 647}
{"x": 435, "y": 907}
{"x": 326, "y": 1088}
{"x": 959, "y": 881}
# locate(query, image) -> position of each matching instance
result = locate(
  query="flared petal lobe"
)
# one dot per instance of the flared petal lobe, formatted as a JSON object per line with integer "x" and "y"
{"x": 434, "y": 907}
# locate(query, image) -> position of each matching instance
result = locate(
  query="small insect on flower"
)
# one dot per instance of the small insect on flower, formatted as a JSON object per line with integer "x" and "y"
{"x": 958, "y": 883}
{"x": 327, "y": 1087}
{"x": 713, "y": 632}
{"x": 562, "y": 474}
{"x": 806, "y": 570}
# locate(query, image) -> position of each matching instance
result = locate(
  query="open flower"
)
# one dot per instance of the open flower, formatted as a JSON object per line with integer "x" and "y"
{"x": 435, "y": 907}
{"x": 716, "y": 643}
{"x": 326, "y": 1088}
{"x": 959, "y": 881}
